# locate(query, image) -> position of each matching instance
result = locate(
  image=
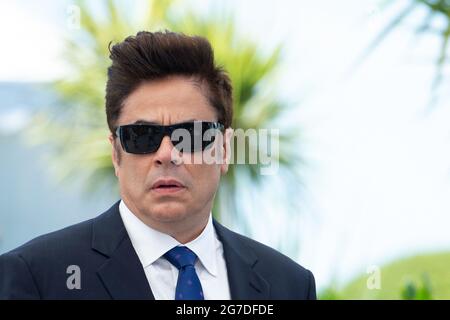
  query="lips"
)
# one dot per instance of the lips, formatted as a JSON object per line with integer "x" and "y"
{"x": 166, "y": 186}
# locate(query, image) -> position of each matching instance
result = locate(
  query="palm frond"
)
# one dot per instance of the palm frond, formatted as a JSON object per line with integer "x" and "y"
{"x": 435, "y": 8}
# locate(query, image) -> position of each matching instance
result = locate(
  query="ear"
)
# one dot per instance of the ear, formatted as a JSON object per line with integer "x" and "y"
{"x": 114, "y": 153}
{"x": 226, "y": 154}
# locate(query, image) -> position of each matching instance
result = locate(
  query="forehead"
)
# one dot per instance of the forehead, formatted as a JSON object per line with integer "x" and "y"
{"x": 167, "y": 101}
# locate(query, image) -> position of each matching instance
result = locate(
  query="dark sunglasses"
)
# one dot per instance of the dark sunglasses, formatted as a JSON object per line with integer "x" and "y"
{"x": 146, "y": 138}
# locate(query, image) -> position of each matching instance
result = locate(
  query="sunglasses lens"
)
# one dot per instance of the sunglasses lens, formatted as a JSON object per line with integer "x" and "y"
{"x": 209, "y": 135}
{"x": 141, "y": 139}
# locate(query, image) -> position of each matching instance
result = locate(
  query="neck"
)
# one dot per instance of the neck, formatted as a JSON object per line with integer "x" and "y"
{"x": 185, "y": 236}
{"x": 184, "y": 230}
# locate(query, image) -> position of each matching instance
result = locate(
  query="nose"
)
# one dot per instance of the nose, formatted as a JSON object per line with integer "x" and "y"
{"x": 166, "y": 154}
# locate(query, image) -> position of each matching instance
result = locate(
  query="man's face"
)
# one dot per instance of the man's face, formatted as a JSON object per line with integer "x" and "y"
{"x": 168, "y": 101}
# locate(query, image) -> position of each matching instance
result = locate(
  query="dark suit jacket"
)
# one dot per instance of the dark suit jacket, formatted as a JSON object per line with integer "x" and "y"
{"x": 110, "y": 268}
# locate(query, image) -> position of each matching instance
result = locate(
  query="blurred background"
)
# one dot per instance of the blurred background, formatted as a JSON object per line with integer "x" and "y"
{"x": 359, "y": 91}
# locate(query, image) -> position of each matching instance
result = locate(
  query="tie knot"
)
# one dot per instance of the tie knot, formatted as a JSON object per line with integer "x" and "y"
{"x": 181, "y": 257}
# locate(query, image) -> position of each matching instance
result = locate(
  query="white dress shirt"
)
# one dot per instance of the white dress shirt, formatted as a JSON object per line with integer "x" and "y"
{"x": 150, "y": 246}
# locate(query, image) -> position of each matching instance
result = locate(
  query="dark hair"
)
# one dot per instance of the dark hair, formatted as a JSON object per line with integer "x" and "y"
{"x": 156, "y": 55}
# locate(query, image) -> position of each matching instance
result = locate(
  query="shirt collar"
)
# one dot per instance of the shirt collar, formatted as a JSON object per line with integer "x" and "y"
{"x": 151, "y": 244}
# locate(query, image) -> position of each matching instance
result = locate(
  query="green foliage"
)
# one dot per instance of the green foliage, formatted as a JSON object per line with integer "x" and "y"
{"x": 329, "y": 293}
{"x": 76, "y": 129}
{"x": 421, "y": 291}
{"x": 420, "y": 277}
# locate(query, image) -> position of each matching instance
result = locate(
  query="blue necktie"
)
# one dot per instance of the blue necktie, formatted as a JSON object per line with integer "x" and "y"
{"x": 188, "y": 284}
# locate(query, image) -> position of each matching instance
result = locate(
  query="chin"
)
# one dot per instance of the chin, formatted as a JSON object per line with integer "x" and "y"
{"x": 168, "y": 212}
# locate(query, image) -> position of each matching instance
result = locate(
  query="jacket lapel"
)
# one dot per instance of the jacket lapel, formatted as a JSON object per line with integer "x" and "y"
{"x": 124, "y": 278}
{"x": 122, "y": 274}
{"x": 245, "y": 282}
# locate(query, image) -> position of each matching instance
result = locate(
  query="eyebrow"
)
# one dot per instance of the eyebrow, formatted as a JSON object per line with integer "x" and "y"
{"x": 141, "y": 121}
{"x": 144, "y": 122}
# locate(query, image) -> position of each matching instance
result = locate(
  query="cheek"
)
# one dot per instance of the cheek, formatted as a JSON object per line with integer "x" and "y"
{"x": 132, "y": 174}
{"x": 205, "y": 177}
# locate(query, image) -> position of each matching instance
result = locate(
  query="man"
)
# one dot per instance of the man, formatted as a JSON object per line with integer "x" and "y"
{"x": 160, "y": 241}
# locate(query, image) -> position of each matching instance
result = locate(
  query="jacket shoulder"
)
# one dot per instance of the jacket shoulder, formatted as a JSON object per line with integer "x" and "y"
{"x": 57, "y": 242}
{"x": 288, "y": 279}
{"x": 269, "y": 255}
{"x": 29, "y": 270}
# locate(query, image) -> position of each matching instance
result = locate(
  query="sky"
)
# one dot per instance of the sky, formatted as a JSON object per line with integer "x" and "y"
{"x": 377, "y": 179}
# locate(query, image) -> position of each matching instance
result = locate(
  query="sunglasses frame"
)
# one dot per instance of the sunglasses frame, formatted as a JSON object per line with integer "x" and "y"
{"x": 166, "y": 131}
